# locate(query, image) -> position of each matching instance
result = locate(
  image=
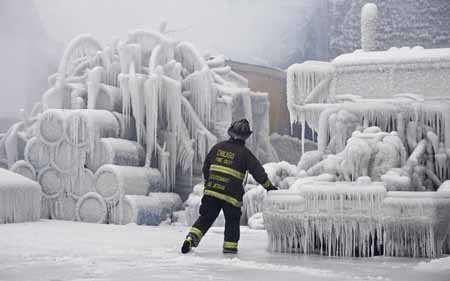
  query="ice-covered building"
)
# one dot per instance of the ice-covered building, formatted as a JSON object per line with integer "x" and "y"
{"x": 382, "y": 119}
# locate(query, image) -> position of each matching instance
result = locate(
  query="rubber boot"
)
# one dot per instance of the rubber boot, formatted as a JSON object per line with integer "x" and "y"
{"x": 187, "y": 245}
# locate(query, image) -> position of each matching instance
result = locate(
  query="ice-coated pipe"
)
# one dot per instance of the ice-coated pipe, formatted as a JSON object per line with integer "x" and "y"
{"x": 112, "y": 181}
{"x": 20, "y": 198}
{"x": 118, "y": 152}
{"x": 369, "y": 15}
{"x": 25, "y": 169}
{"x": 91, "y": 207}
{"x": 146, "y": 210}
{"x": 50, "y": 127}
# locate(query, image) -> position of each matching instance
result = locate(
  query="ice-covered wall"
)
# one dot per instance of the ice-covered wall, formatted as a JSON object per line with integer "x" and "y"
{"x": 400, "y": 23}
{"x": 396, "y": 71}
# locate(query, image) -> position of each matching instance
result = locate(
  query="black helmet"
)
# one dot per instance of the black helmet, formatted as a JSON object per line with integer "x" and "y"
{"x": 240, "y": 129}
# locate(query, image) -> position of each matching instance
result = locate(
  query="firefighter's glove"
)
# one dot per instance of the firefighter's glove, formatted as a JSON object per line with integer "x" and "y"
{"x": 270, "y": 188}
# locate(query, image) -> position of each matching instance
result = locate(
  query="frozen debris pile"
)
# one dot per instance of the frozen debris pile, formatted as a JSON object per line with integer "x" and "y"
{"x": 129, "y": 119}
{"x": 20, "y": 198}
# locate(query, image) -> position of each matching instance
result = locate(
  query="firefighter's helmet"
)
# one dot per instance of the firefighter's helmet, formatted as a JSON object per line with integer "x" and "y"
{"x": 240, "y": 129}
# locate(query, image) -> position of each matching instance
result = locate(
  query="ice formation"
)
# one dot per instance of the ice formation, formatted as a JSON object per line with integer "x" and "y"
{"x": 147, "y": 210}
{"x": 382, "y": 124}
{"x": 369, "y": 27}
{"x": 20, "y": 198}
{"x": 140, "y": 113}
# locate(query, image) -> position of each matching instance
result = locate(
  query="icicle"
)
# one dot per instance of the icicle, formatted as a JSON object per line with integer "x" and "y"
{"x": 126, "y": 97}
{"x": 170, "y": 97}
{"x": 161, "y": 55}
{"x": 93, "y": 85}
{"x": 151, "y": 104}
{"x": 138, "y": 102}
{"x": 186, "y": 152}
{"x": 203, "y": 97}
{"x": 164, "y": 167}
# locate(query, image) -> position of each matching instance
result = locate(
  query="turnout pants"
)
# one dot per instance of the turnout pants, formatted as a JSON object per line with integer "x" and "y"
{"x": 209, "y": 210}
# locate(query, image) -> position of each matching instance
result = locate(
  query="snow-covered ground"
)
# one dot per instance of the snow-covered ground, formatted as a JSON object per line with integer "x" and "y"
{"x": 69, "y": 251}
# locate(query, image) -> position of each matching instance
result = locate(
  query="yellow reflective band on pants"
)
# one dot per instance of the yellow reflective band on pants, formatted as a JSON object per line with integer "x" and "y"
{"x": 223, "y": 197}
{"x": 230, "y": 245}
{"x": 197, "y": 232}
{"x": 227, "y": 171}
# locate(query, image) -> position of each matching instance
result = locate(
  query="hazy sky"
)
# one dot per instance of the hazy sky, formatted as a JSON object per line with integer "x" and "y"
{"x": 252, "y": 30}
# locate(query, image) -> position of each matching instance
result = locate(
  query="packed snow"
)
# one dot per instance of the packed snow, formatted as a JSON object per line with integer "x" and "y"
{"x": 62, "y": 250}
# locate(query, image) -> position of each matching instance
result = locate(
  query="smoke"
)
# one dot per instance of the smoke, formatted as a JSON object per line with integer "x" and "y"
{"x": 265, "y": 32}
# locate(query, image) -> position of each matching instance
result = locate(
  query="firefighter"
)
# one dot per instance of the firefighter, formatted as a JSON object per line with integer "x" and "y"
{"x": 224, "y": 171}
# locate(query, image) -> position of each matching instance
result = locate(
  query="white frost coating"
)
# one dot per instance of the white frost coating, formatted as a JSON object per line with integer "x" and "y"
{"x": 186, "y": 153}
{"x": 91, "y": 207}
{"x": 253, "y": 200}
{"x": 50, "y": 127}
{"x": 256, "y": 221}
{"x": 52, "y": 182}
{"x": 289, "y": 148}
{"x": 25, "y": 169}
{"x": 63, "y": 208}
{"x": 68, "y": 158}
{"x": 86, "y": 127}
{"x": 187, "y": 55}
{"x": 118, "y": 152}
{"x": 202, "y": 94}
{"x": 111, "y": 181}
{"x": 369, "y": 27}
{"x": 81, "y": 46}
{"x": 147, "y": 210}
{"x": 127, "y": 128}
{"x": 445, "y": 186}
{"x": 130, "y": 57}
{"x": 109, "y": 98}
{"x": 137, "y": 94}
{"x": 148, "y": 40}
{"x": 415, "y": 224}
{"x": 322, "y": 218}
{"x": 309, "y": 159}
{"x": 15, "y": 142}
{"x": 277, "y": 172}
{"x": 52, "y": 99}
{"x": 20, "y": 198}
{"x": 124, "y": 83}
{"x": 93, "y": 85}
{"x": 170, "y": 139}
{"x": 301, "y": 81}
{"x": 195, "y": 125}
{"x": 151, "y": 117}
{"x": 170, "y": 104}
{"x": 81, "y": 183}
{"x": 161, "y": 55}
{"x": 164, "y": 167}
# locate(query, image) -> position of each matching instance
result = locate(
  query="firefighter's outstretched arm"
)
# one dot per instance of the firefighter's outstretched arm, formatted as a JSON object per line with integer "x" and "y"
{"x": 207, "y": 164}
{"x": 259, "y": 174}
